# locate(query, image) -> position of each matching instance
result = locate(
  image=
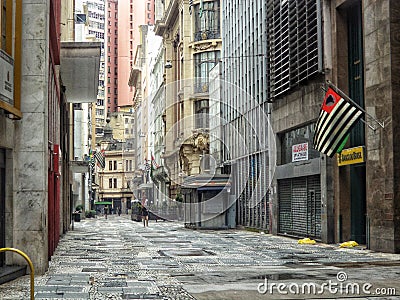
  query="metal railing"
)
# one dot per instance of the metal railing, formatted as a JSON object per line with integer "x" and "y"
{"x": 26, "y": 257}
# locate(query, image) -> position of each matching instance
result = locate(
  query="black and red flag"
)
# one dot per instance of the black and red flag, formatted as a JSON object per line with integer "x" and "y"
{"x": 336, "y": 118}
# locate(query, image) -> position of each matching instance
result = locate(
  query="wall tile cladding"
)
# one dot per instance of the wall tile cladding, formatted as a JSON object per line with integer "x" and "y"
{"x": 297, "y": 108}
{"x": 382, "y": 60}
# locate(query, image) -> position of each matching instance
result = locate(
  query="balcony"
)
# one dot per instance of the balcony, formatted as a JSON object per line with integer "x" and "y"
{"x": 201, "y": 87}
{"x": 206, "y": 35}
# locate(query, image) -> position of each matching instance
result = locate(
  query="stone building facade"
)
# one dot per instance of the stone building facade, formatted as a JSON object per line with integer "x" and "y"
{"x": 192, "y": 41}
{"x": 300, "y": 45}
{"x": 36, "y": 142}
{"x": 357, "y": 52}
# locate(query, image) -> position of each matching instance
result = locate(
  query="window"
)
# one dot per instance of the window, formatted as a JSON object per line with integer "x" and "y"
{"x": 110, "y": 165}
{"x": 110, "y": 182}
{"x": 204, "y": 62}
{"x": 201, "y": 113}
{"x": 115, "y": 183}
{"x": 126, "y": 165}
{"x": 130, "y": 165}
{"x": 293, "y": 42}
{"x": 115, "y": 164}
{"x": 207, "y": 23}
{"x": 299, "y": 136}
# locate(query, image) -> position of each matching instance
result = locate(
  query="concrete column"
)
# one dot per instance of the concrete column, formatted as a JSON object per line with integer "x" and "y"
{"x": 31, "y": 139}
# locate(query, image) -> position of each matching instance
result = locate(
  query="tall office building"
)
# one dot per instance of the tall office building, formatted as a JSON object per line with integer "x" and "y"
{"x": 123, "y": 21}
{"x": 245, "y": 109}
{"x": 95, "y": 21}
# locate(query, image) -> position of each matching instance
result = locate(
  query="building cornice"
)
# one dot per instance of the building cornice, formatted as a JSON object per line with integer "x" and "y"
{"x": 170, "y": 15}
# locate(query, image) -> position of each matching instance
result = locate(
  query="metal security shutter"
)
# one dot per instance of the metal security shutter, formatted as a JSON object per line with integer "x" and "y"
{"x": 285, "y": 206}
{"x": 300, "y": 206}
{"x": 253, "y": 198}
{"x": 294, "y": 43}
{"x": 314, "y": 206}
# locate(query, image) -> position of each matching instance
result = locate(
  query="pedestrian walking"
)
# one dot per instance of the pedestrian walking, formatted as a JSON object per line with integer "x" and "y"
{"x": 119, "y": 211}
{"x": 106, "y": 211}
{"x": 145, "y": 212}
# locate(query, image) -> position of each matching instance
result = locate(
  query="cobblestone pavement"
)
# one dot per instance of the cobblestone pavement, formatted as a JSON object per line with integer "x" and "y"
{"x": 120, "y": 259}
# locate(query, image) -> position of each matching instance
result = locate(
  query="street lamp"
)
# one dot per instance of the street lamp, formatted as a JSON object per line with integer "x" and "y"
{"x": 168, "y": 64}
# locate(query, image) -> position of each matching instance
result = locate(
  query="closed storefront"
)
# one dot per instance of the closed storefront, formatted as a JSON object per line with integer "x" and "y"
{"x": 300, "y": 206}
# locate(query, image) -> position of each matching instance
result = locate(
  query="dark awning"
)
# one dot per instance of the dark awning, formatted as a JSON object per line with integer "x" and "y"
{"x": 205, "y": 182}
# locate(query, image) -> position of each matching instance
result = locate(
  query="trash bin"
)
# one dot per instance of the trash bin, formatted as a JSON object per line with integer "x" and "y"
{"x": 77, "y": 216}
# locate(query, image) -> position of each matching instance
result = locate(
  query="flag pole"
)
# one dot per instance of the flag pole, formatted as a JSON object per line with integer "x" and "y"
{"x": 369, "y": 125}
{"x": 382, "y": 124}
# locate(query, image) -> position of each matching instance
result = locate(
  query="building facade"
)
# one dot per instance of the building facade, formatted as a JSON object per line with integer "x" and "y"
{"x": 114, "y": 180}
{"x": 192, "y": 38}
{"x": 288, "y": 51}
{"x": 95, "y": 30}
{"x": 36, "y": 139}
{"x": 246, "y": 110}
{"x": 31, "y": 133}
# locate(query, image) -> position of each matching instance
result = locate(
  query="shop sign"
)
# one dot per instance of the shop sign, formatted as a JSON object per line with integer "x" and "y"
{"x": 300, "y": 152}
{"x": 6, "y": 78}
{"x": 351, "y": 156}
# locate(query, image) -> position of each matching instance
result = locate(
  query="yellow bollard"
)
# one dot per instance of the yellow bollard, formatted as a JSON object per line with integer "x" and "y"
{"x": 30, "y": 266}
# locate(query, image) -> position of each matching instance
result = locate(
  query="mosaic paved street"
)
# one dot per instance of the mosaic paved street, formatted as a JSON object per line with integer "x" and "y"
{"x": 120, "y": 259}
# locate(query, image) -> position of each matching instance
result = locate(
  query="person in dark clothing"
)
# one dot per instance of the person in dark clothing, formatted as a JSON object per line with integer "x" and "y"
{"x": 106, "y": 211}
{"x": 145, "y": 213}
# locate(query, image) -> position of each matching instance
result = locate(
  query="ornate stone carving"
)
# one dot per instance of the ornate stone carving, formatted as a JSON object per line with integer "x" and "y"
{"x": 204, "y": 46}
{"x": 190, "y": 151}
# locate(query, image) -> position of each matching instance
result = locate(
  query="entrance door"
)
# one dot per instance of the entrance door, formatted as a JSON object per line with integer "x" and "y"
{"x": 358, "y": 209}
{"x": 2, "y": 206}
{"x": 357, "y": 135}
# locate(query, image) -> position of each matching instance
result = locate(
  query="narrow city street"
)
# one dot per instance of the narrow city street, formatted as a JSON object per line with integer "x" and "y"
{"x": 117, "y": 258}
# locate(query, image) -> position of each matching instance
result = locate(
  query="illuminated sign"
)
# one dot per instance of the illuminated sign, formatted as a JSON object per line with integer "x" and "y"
{"x": 351, "y": 156}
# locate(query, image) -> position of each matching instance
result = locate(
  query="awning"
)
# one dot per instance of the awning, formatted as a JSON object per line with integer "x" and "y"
{"x": 103, "y": 203}
{"x": 207, "y": 182}
{"x": 79, "y": 69}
